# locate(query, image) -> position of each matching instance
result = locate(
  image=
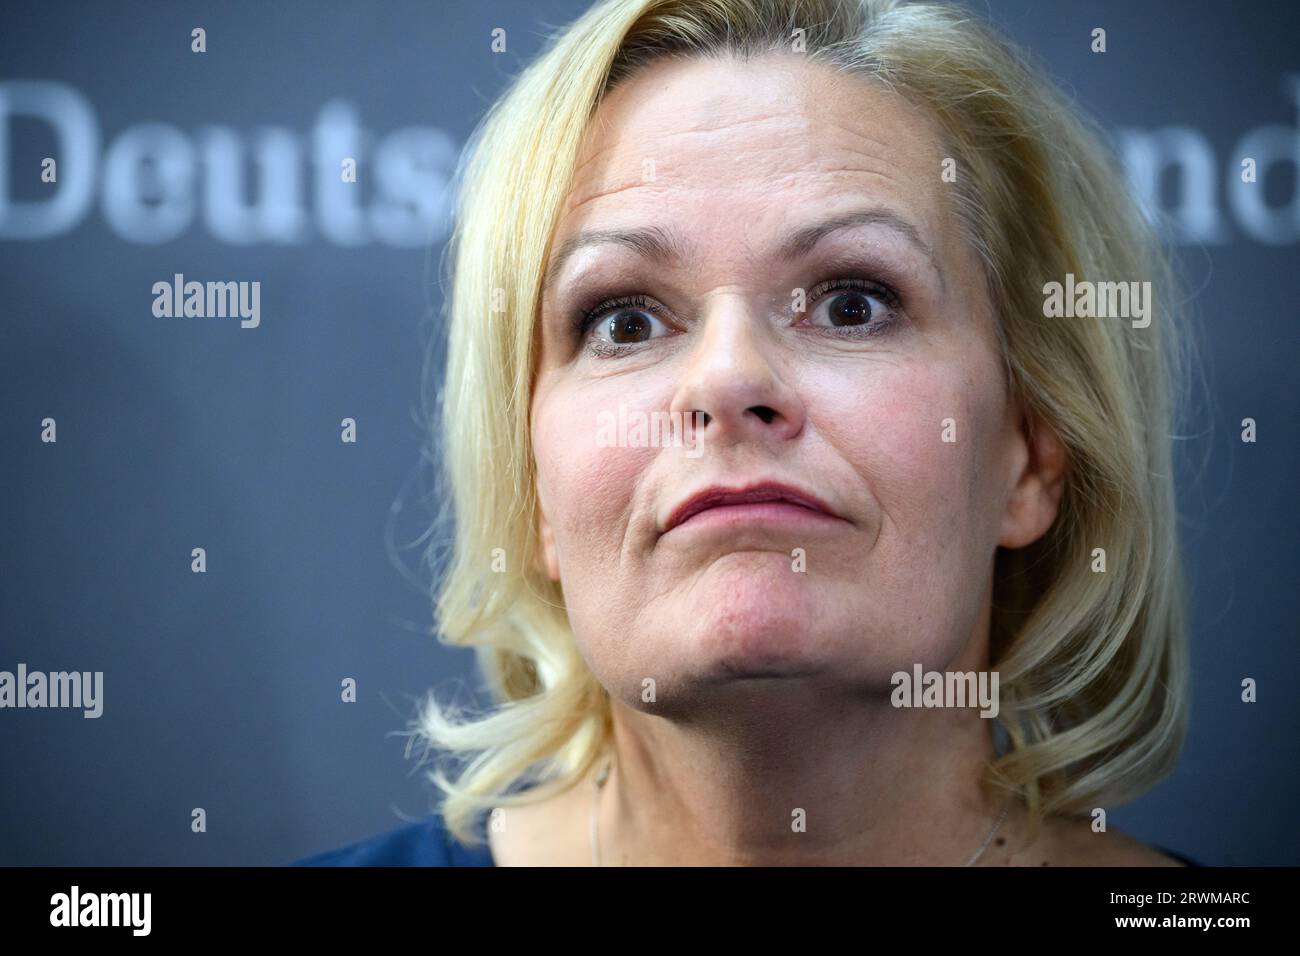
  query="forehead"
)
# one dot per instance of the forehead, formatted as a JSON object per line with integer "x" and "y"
{"x": 745, "y": 147}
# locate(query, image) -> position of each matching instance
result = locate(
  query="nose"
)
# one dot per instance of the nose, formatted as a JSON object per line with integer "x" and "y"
{"x": 735, "y": 376}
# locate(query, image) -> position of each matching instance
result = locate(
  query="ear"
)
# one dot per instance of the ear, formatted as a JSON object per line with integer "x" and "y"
{"x": 1038, "y": 485}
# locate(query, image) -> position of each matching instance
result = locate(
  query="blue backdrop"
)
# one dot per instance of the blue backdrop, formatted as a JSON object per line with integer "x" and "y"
{"x": 222, "y": 689}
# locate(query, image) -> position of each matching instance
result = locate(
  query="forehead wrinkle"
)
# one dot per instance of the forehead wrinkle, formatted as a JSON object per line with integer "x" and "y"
{"x": 881, "y": 148}
{"x": 886, "y": 170}
{"x": 598, "y": 145}
{"x": 650, "y": 242}
{"x": 658, "y": 128}
{"x": 611, "y": 191}
{"x": 731, "y": 123}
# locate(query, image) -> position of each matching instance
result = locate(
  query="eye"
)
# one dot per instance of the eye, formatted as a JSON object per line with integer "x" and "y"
{"x": 623, "y": 321}
{"x": 853, "y": 304}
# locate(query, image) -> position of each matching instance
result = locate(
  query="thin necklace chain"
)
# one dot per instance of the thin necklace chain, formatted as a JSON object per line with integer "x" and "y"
{"x": 604, "y": 775}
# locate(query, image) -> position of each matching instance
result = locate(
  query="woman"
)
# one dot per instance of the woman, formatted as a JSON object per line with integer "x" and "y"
{"x": 817, "y": 236}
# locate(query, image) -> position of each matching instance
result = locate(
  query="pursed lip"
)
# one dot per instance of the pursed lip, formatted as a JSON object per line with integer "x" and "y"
{"x": 718, "y": 495}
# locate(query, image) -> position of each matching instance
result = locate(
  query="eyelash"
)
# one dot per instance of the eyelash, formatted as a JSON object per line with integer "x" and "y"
{"x": 586, "y": 318}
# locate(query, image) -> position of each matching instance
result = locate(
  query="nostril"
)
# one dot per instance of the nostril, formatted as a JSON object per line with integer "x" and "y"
{"x": 765, "y": 413}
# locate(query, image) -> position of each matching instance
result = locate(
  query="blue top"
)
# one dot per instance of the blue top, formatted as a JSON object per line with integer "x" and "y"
{"x": 427, "y": 843}
{"x": 424, "y": 843}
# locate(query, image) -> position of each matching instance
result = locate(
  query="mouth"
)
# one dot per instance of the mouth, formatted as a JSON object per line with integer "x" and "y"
{"x": 762, "y": 501}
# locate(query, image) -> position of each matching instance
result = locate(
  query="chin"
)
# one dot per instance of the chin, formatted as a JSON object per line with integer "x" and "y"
{"x": 748, "y": 620}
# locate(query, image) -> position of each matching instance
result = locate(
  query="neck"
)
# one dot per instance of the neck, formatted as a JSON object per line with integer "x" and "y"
{"x": 796, "y": 775}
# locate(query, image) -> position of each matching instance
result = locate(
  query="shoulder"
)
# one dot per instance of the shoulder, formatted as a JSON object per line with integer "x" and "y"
{"x": 423, "y": 843}
{"x": 1077, "y": 844}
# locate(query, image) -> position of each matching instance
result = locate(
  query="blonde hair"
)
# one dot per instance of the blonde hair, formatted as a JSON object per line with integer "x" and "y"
{"x": 1093, "y": 665}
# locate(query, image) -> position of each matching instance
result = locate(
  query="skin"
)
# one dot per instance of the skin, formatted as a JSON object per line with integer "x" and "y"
{"x": 772, "y": 687}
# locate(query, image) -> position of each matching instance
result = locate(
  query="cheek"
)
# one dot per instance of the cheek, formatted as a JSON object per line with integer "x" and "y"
{"x": 920, "y": 434}
{"x": 586, "y": 486}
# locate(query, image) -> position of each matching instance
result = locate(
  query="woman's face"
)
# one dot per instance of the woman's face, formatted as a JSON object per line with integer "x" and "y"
{"x": 758, "y": 188}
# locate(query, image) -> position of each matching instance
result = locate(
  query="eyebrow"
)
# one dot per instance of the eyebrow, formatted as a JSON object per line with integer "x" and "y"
{"x": 667, "y": 248}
